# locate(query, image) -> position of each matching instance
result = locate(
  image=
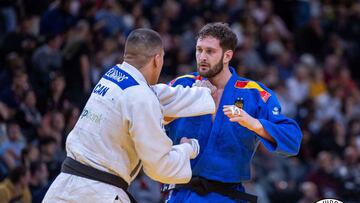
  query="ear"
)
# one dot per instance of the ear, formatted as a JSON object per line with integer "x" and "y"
{"x": 228, "y": 56}
{"x": 157, "y": 60}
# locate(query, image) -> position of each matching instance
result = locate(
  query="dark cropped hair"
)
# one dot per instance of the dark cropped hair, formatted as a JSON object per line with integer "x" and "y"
{"x": 222, "y": 32}
{"x": 143, "y": 40}
{"x": 141, "y": 44}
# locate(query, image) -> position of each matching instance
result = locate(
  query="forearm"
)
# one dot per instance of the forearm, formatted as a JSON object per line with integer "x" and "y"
{"x": 184, "y": 102}
{"x": 259, "y": 129}
{"x": 172, "y": 168}
{"x": 247, "y": 121}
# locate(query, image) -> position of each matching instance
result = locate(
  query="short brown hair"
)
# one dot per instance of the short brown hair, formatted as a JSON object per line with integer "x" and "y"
{"x": 222, "y": 32}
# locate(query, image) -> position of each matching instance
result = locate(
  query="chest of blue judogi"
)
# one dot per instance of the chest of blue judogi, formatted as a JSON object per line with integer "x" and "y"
{"x": 226, "y": 147}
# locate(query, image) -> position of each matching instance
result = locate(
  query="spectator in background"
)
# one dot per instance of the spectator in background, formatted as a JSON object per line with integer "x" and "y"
{"x": 331, "y": 65}
{"x": 46, "y": 60}
{"x": 285, "y": 65}
{"x": 15, "y": 188}
{"x": 188, "y": 41}
{"x": 30, "y": 154}
{"x": 21, "y": 41}
{"x": 87, "y": 11}
{"x": 317, "y": 85}
{"x": 6, "y": 161}
{"x": 331, "y": 137}
{"x": 324, "y": 177}
{"x": 55, "y": 99}
{"x": 4, "y": 170}
{"x": 111, "y": 53}
{"x": 311, "y": 38}
{"x": 332, "y": 98}
{"x": 49, "y": 149}
{"x": 97, "y": 69}
{"x": 13, "y": 95}
{"x": 8, "y": 16}
{"x": 110, "y": 19}
{"x": 13, "y": 146}
{"x": 38, "y": 183}
{"x": 298, "y": 85}
{"x": 13, "y": 65}
{"x": 135, "y": 19}
{"x": 76, "y": 63}
{"x": 249, "y": 56}
{"x": 266, "y": 16}
{"x": 28, "y": 115}
{"x": 346, "y": 83}
{"x": 270, "y": 45}
{"x": 289, "y": 107}
{"x": 58, "y": 18}
{"x": 53, "y": 125}
{"x": 35, "y": 9}
{"x": 5, "y": 114}
{"x": 309, "y": 191}
{"x": 349, "y": 175}
{"x": 58, "y": 127}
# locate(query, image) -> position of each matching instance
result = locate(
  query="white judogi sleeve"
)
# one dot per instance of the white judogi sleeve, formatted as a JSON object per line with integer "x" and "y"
{"x": 182, "y": 101}
{"x": 161, "y": 161}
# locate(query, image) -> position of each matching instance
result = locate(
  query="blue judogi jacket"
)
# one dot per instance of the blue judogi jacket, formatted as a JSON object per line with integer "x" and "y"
{"x": 227, "y": 148}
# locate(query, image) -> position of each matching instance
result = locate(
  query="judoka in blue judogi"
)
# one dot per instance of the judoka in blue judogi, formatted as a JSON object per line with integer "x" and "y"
{"x": 227, "y": 148}
{"x": 229, "y": 138}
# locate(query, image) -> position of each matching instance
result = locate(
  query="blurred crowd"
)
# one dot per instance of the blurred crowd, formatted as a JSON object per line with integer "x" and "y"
{"x": 52, "y": 52}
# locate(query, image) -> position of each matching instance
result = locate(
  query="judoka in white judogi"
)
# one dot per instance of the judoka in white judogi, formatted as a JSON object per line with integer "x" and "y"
{"x": 120, "y": 129}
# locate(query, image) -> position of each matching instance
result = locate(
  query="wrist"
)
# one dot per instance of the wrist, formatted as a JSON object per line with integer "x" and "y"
{"x": 256, "y": 125}
{"x": 196, "y": 148}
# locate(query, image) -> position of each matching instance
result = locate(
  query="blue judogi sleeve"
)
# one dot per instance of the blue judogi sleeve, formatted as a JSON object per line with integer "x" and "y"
{"x": 185, "y": 81}
{"x": 285, "y": 131}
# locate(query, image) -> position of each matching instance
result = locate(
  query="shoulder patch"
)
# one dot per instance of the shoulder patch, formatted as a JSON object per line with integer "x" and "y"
{"x": 120, "y": 78}
{"x": 253, "y": 85}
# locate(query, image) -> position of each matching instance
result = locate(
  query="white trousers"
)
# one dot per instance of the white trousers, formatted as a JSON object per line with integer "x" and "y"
{"x": 74, "y": 189}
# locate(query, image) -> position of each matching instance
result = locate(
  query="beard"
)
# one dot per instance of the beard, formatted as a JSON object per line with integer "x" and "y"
{"x": 212, "y": 71}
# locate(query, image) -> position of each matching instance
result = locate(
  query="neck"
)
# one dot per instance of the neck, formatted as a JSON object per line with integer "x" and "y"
{"x": 220, "y": 80}
{"x": 146, "y": 73}
{"x": 144, "y": 70}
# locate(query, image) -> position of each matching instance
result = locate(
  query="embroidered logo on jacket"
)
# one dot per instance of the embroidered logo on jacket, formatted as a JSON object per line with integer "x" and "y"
{"x": 120, "y": 78}
{"x": 276, "y": 111}
{"x": 253, "y": 85}
{"x": 116, "y": 75}
{"x": 100, "y": 89}
{"x": 91, "y": 116}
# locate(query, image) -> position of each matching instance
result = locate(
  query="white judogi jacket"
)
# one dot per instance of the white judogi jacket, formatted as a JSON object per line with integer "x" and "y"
{"x": 121, "y": 129}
